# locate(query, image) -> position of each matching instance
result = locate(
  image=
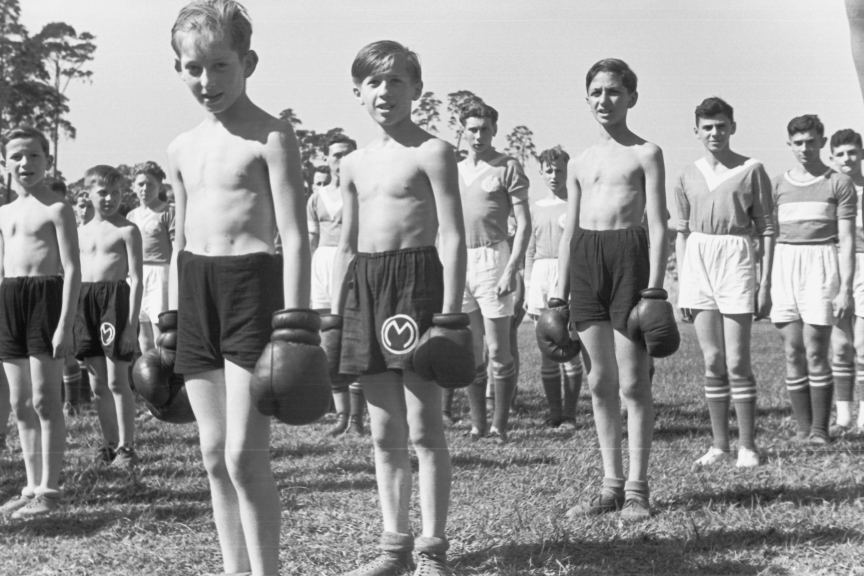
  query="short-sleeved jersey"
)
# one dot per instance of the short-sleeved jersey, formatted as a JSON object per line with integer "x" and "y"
{"x": 859, "y": 220}
{"x": 157, "y": 232}
{"x": 807, "y": 212}
{"x": 489, "y": 192}
{"x": 324, "y": 217}
{"x": 547, "y": 224}
{"x": 738, "y": 201}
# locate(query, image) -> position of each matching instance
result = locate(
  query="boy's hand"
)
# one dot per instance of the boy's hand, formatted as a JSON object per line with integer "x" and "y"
{"x": 129, "y": 336}
{"x": 686, "y": 315}
{"x": 763, "y": 302}
{"x": 842, "y": 304}
{"x": 507, "y": 283}
{"x": 62, "y": 342}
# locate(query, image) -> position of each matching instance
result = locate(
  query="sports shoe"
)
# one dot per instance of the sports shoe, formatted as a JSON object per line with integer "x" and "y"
{"x": 712, "y": 457}
{"x": 497, "y": 436}
{"x": 355, "y": 425}
{"x": 14, "y": 503}
{"x": 105, "y": 455}
{"x": 816, "y": 439}
{"x": 476, "y": 434}
{"x": 747, "y": 458}
{"x": 635, "y": 509}
{"x": 432, "y": 565}
{"x": 388, "y": 564}
{"x": 69, "y": 410}
{"x": 552, "y": 422}
{"x": 39, "y": 505}
{"x": 341, "y": 425}
{"x": 125, "y": 457}
{"x": 598, "y": 505}
{"x": 568, "y": 423}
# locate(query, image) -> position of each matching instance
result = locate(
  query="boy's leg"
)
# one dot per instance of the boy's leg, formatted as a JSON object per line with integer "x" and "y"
{"x": 796, "y": 375}
{"x": 859, "y": 374}
{"x": 147, "y": 334}
{"x": 357, "y": 406}
{"x": 341, "y": 402}
{"x": 477, "y": 390}
{"x": 71, "y": 385}
{"x": 503, "y": 369}
{"x": 46, "y": 374}
{"x": 124, "y": 401}
{"x": 817, "y": 341}
{"x": 737, "y": 330}
{"x": 29, "y": 429}
{"x": 843, "y": 369}
{"x": 572, "y": 386}
{"x": 106, "y": 410}
{"x": 5, "y": 409}
{"x": 550, "y": 376}
{"x": 710, "y": 333}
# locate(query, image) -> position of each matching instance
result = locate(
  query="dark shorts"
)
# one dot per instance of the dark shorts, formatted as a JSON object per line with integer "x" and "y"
{"x": 225, "y": 309}
{"x": 608, "y": 269}
{"x": 30, "y": 309}
{"x": 391, "y": 299}
{"x": 103, "y": 314}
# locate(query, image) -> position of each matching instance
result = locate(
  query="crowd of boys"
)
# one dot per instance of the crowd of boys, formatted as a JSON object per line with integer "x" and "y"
{"x": 406, "y": 252}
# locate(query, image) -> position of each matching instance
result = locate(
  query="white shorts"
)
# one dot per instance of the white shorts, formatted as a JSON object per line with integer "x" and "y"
{"x": 154, "y": 300}
{"x": 858, "y": 285}
{"x": 322, "y": 276}
{"x": 485, "y": 268}
{"x": 718, "y": 273}
{"x": 541, "y": 285}
{"x": 804, "y": 282}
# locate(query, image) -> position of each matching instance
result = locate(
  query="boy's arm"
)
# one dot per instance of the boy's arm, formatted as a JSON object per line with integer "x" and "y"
{"x": 67, "y": 244}
{"x": 312, "y": 223}
{"x": 507, "y": 283}
{"x": 655, "y": 206}
{"x": 347, "y": 248}
{"x": 529, "y": 257}
{"x": 135, "y": 258}
{"x": 843, "y": 301}
{"x": 282, "y": 154}
{"x": 765, "y": 225}
{"x": 574, "y": 196}
{"x": 2, "y": 246}
{"x": 179, "y": 221}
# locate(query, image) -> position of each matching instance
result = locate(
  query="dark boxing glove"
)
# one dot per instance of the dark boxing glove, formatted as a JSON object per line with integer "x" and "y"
{"x": 652, "y": 322}
{"x": 331, "y": 341}
{"x": 163, "y": 391}
{"x": 553, "y": 333}
{"x": 445, "y": 352}
{"x": 291, "y": 380}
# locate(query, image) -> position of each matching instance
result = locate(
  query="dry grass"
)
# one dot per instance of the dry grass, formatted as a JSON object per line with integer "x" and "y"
{"x": 802, "y": 512}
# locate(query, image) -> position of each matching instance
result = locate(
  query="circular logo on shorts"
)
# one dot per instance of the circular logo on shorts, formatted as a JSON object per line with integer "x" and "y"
{"x": 490, "y": 184}
{"x": 399, "y": 334}
{"x": 562, "y": 219}
{"x": 107, "y": 334}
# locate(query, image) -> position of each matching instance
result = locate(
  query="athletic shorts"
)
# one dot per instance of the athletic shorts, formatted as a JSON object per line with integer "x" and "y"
{"x": 154, "y": 299}
{"x": 541, "y": 285}
{"x": 322, "y": 276}
{"x": 102, "y": 316}
{"x": 225, "y": 309}
{"x": 608, "y": 270}
{"x": 30, "y": 309}
{"x": 391, "y": 299}
{"x": 485, "y": 267}
{"x": 858, "y": 285}
{"x": 804, "y": 281}
{"x": 718, "y": 272}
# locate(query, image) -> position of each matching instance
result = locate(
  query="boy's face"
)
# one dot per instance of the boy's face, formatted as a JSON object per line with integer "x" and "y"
{"x": 105, "y": 199}
{"x": 479, "y": 133}
{"x": 26, "y": 161}
{"x": 335, "y": 154}
{"x": 146, "y": 187}
{"x": 554, "y": 174}
{"x": 320, "y": 180}
{"x": 847, "y": 158}
{"x": 714, "y": 132}
{"x": 214, "y": 72}
{"x": 83, "y": 209}
{"x": 806, "y": 146}
{"x": 387, "y": 95}
{"x": 608, "y": 99}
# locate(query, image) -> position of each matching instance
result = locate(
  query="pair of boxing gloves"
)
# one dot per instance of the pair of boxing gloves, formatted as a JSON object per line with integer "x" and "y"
{"x": 651, "y": 323}
{"x": 444, "y": 353}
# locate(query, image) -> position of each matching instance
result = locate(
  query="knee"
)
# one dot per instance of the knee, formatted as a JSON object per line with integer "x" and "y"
{"x": 634, "y": 391}
{"x": 600, "y": 385}
{"x": 502, "y": 370}
{"x": 816, "y": 359}
{"x": 499, "y": 354}
{"x": 426, "y": 441}
{"x": 214, "y": 461}
{"x": 795, "y": 355}
{"x": 244, "y": 466}
{"x": 715, "y": 363}
{"x": 46, "y": 408}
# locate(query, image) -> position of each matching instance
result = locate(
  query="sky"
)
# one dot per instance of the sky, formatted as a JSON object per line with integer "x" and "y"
{"x": 771, "y": 59}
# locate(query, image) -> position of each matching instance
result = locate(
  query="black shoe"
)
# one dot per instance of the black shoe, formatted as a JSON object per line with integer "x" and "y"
{"x": 340, "y": 426}
{"x": 105, "y": 455}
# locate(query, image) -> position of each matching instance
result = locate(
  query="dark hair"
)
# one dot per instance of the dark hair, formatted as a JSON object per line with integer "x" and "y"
{"x": 805, "y": 123}
{"x": 552, "y": 155}
{"x": 714, "y": 106}
{"x": 613, "y": 66}
{"x": 103, "y": 175}
{"x": 215, "y": 18}
{"x": 378, "y": 56}
{"x": 58, "y": 186}
{"x": 322, "y": 169}
{"x": 845, "y": 136}
{"x": 339, "y": 139}
{"x": 25, "y": 132}
{"x": 478, "y": 110}
{"x": 149, "y": 168}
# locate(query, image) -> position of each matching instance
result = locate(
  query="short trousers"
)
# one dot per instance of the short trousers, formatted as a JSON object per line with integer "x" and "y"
{"x": 391, "y": 299}
{"x": 718, "y": 272}
{"x": 225, "y": 309}
{"x": 30, "y": 308}
{"x": 858, "y": 285}
{"x": 541, "y": 285}
{"x": 154, "y": 300}
{"x": 322, "y": 276}
{"x": 485, "y": 267}
{"x": 804, "y": 281}
{"x": 102, "y": 316}
{"x": 608, "y": 270}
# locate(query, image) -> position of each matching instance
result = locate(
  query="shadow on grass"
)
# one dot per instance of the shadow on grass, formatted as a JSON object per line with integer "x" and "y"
{"x": 302, "y": 451}
{"x": 465, "y": 461}
{"x": 747, "y": 498}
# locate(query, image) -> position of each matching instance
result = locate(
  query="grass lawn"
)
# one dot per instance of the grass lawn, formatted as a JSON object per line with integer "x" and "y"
{"x": 801, "y": 512}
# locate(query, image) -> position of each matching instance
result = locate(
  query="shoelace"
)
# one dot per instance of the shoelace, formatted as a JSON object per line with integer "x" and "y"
{"x": 431, "y": 565}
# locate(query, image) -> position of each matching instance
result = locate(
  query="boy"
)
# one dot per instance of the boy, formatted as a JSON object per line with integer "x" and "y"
{"x": 324, "y": 219}
{"x": 722, "y": 199}
{"x": 811, "y": 284}
{"x": 37, "y": 240}
{"x": 398, "y": 193}
{"x": 320, "y": 178}
{"x": 541, "y": 270}
{"x": 107, "y": 319}
{"x": 848, "y": 344}
{"x": 492, "y": 185}
{"x": 155, "y": 219}
{"x": 237, "y": 182}
{"x": 611, "y": 186}
{"x": 83, "y": 208}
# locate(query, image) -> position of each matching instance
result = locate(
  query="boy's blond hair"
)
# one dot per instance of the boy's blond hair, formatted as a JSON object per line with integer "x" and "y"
{"x": 214, "y": 19}
{"x": 24, "y": 132}
{"x": 102, "y": 175}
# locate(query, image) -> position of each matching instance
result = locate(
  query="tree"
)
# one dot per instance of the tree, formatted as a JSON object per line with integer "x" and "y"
{"x": 520, "y": 144}
{"x": 65, "y": 53}
{"x": 288, "y": 115}
{"x": 455, "y": 102}
{"x": 426, "y": 113}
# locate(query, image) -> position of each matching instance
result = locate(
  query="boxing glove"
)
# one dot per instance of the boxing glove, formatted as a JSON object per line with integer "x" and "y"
{"x": 652, "y": 323}
{"x": 291, "y": 380}
{"x": 553, "y": 333}
{"x": 163, "y": 391}
{"x": 445, "y": 352}
{"x": 331, "y": 341}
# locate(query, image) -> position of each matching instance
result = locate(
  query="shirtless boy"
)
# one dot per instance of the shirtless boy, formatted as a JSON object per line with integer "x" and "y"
{"x": 811, "y": 283}
{"x": 107, "y": 319}
{"x": 399, "y": 192}
{"x": 847, "y": 340}
{"x": 722, "y": 199}
{"x": 237, "y": 180}
{"x": 37, "y": 240}
{"x": 611, "y": 185}
{"x": 541, "y": 272}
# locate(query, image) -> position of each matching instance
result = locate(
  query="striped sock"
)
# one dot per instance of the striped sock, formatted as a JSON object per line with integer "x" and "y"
{"x": 572, "y": 386}
{"x": 505, "y": 386}
{"x": 744, "y": 397}
{"x": 821, "y": 391}
{"x": 844, "y": 380}
{"x": 477, "y": 399}
{"x": 799, "y": 397}
{"x": 859, "y": 377}
{"x": 551, "y": 378}
{"x": 717, "y": 394}
{"x": 72, "y": 384}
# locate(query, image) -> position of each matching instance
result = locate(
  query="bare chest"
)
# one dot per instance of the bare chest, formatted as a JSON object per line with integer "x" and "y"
{"x": 615, "y": 169}
{"x": 101, "y": 241}
{"x": 221, "y": 163}
{"x": 27, "y": 223}
{"x": 392, "y": 174}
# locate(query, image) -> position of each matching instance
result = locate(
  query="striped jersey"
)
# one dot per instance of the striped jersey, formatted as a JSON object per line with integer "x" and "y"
{"x": 324, "y": 217}
{"x": 808, "y": 211}
{"x": 489, "y": 192}
{"x": 547, "y": 224}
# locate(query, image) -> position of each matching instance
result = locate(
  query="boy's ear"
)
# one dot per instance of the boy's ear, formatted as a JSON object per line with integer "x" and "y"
{"x": 250, "y": 63}
{"x": 177, "y": 65}
{"x": 418, "y": 90}
{"x": 633, "y": 98}
{"x": 49, "y": 161}
{"x": 356, "y": 91}
{"x": 824, "y": 141}
{"x": 494, "y": 130}
{"x": 733, "y": 128}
